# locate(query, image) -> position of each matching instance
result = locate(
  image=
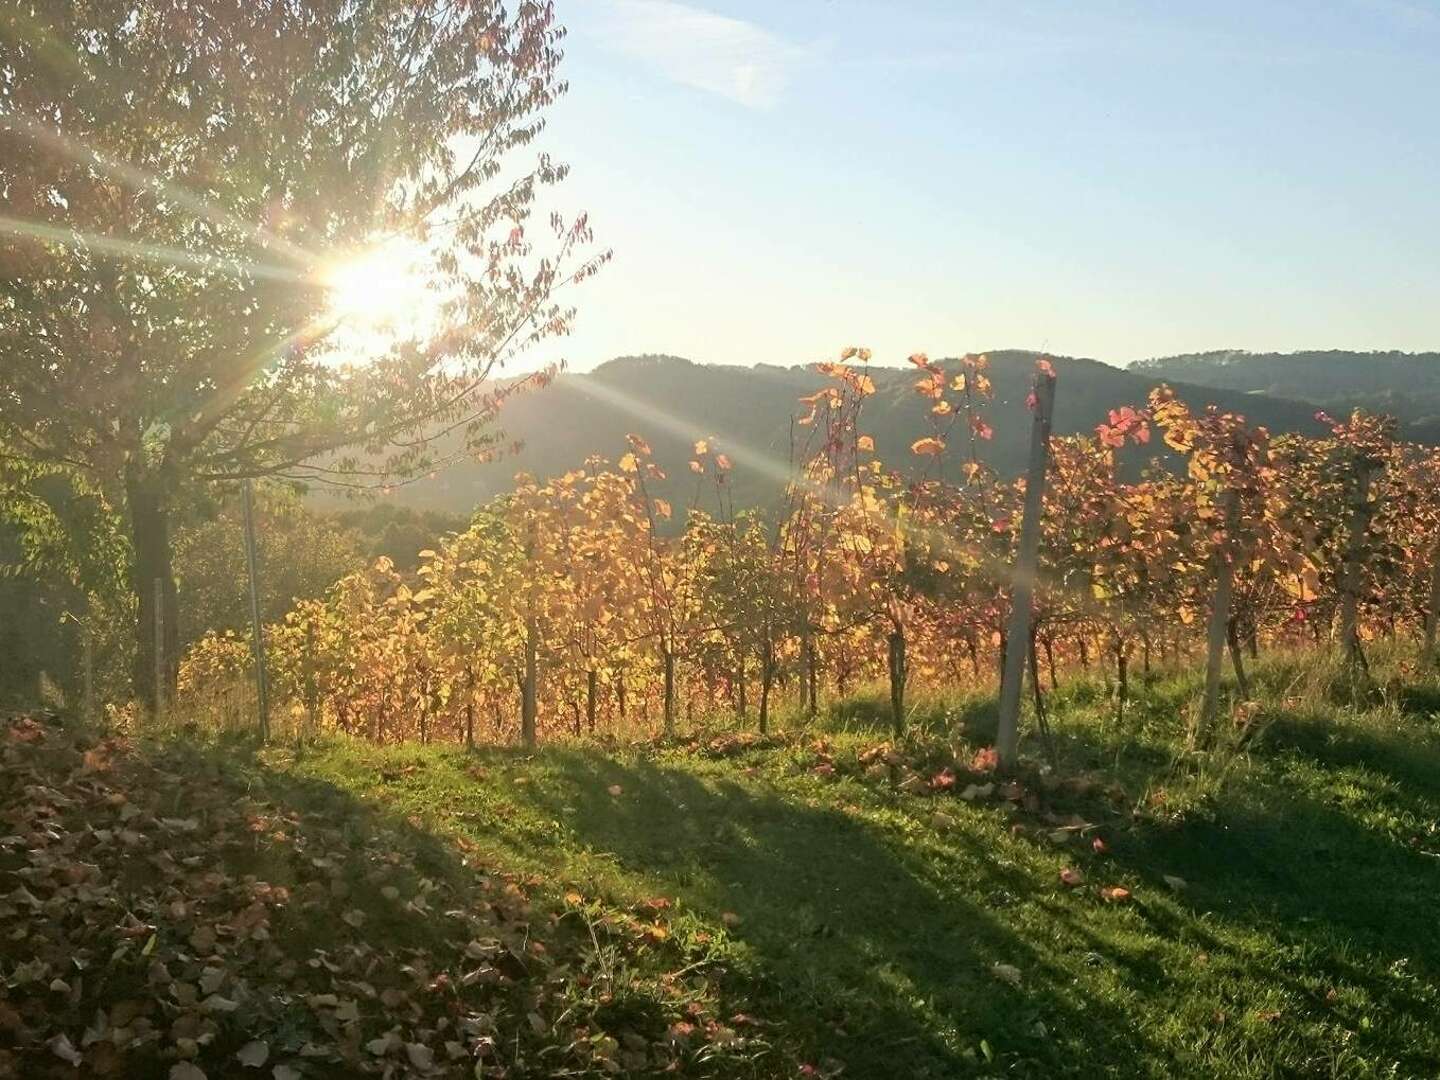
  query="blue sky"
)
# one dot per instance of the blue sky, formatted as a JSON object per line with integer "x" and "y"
{"x": 1116, "y": 180}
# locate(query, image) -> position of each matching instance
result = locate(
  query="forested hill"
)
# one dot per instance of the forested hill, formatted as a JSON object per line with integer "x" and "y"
{"x": 672, "y": 402}
{"x": 1406, "y": 385}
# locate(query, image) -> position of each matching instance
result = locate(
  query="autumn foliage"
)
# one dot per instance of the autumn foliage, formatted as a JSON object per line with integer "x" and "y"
{"x": 583, "y": 604}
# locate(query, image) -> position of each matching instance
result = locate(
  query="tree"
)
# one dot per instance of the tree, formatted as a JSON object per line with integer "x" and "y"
{"x": 163, "y": 306}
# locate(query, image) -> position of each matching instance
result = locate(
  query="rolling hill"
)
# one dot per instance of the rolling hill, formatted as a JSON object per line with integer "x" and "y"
{"x": 1406, "y": 385}
{"x": 672, "y": 402}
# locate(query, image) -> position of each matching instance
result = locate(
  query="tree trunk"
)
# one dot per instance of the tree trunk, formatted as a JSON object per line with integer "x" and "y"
{"x": 1084, "y": 653}
{"x": 1042, "y": 721}
{"x": 897, "y": 679}
{"x": 1049, "y": 644}
{"x": 527, "y": 687}
{"x": 149, "y": 505}
{"x": 1242, "y": 684}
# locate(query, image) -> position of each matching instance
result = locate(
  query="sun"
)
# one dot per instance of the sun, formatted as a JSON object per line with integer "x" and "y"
{"x": 383, "y": 293}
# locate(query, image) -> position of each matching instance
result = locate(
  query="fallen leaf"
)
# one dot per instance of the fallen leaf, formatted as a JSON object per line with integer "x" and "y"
{"x": 62, "y": 1048}
{"x": 253, "y": 1054}
{"x": 1176, "y": 883}
{"x": 1071, "y": 878}
{"x": 615, "y": 789}
{"x": 1114, "y": 894}
{"x": 183, "y": 1070}
{"x": 1099, "y": 846}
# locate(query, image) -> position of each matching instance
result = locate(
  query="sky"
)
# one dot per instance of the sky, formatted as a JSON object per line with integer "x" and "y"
{"x": 1115, "y": 180}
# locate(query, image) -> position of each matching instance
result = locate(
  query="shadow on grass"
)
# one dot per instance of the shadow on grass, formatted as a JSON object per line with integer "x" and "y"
{"x": 874, "y": 953}
{"x": 875, "y": 945}
{"x": 973, "y": 717}
{"x": 1308, "y": 855}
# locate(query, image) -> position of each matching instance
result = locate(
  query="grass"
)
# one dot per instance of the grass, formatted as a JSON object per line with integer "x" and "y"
{"x": 1281, "y": 922}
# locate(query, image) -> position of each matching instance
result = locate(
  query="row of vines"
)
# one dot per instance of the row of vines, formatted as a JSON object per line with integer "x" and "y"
{"x": 578, "y": 605}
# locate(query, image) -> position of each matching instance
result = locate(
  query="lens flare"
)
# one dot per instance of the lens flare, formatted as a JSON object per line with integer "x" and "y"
{"x": 383, "y": 292}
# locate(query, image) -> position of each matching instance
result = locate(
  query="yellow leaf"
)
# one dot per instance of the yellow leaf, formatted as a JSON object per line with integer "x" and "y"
{"x": 928, "y": 446}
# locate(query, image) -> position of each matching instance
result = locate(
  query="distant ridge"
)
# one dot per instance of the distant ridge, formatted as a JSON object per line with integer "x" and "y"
{"x": 1406, "y": 385}
{"x": 672, "y": 401}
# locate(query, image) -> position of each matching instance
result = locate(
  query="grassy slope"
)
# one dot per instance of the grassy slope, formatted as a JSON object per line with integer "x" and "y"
{"x": 824, "y": 917}
{"x": 1303, "y": 942}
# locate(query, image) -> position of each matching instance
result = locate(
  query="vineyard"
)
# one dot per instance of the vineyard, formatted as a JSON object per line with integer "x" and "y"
{"x": 583, "y": 605}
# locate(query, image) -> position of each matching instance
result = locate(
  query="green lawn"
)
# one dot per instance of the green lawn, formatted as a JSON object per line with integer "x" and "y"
{"x": 812, "y": 904}
{"x": 1298, "y": 933}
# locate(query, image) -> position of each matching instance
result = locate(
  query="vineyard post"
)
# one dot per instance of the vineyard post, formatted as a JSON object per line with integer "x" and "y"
{"x": 312, "y": 688}
{"x": 1350, "y": 579}
{"x": 88, "y": 631}
{"x": 898, "y": 674}
{"x": 527, "y": 691}
{"x": 1432, "y": 612}
{"x": 160, "y": 683}
{"x": 592, "y": 690}
{"x": 667, "y": 659}
{"x": 1007, "y": 739}
{"x": 1217, "y": 636}
{"x": 257, "y": 629}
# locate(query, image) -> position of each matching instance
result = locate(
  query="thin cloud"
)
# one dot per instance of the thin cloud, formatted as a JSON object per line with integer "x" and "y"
{"x": 736, "y": 59}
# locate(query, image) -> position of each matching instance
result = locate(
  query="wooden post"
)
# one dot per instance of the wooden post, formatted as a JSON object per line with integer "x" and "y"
{"x": 160, "y": 683}
{"x": 257, "y": 628}
{"x": 1217, "y": 630}
{"x": 1017, "y": 638}
{"x": 667, "y": 659}
{"x": 88, "y": 659}
{"x": 898, "y": 675}
{"x": 1432, "y": 613}
{"x": 312, "y": 687}
{"x": 1350, "y": 576}
{"x": 527, "y": 688}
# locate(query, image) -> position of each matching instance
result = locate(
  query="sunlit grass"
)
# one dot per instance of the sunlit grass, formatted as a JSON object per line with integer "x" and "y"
{"x": 1300, "y": 941}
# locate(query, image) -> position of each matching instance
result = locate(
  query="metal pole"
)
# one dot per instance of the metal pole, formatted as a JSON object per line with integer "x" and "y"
{"x": 257, "y": 630}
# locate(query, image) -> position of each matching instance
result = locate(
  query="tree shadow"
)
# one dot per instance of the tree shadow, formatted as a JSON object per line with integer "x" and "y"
{"x": 1327, "y": 873}
{"x": 882, "y": 953}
